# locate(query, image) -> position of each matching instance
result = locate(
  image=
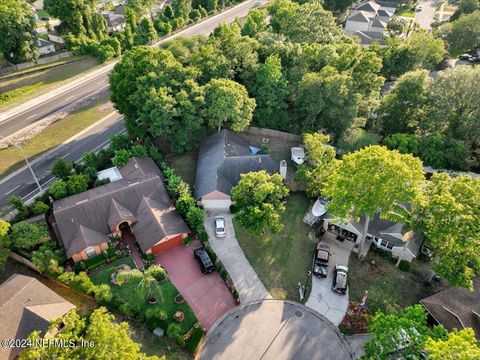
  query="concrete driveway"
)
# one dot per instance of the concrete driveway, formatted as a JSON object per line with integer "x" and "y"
{"x": 246, "y": 281}
{"x": 207, "y": 295}
{"x": 322, "y": 299}
{"x": 425, "y": 17}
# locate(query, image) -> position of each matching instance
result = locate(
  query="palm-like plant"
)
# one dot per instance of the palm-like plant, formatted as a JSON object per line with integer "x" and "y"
{"x": 148, "y": 281}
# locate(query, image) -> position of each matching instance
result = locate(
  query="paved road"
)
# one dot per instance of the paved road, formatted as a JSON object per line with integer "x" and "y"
{"x": 36, "y": 109}
{"x": 249, "y": 286}
{"x": 425, "y": 17}
{"x": 95, "y": 138}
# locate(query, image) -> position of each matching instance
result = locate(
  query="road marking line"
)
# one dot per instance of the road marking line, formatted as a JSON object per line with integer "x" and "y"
{"x": 15, "y": 188}
{"x": 68, "y": 98}
{"x": 31, "y": 116}
{"x": 64, "y": 156}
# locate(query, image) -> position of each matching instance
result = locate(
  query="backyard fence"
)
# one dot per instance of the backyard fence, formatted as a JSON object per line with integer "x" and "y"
{"x": 30, "y": 64}
{"x": 273, "y": 133}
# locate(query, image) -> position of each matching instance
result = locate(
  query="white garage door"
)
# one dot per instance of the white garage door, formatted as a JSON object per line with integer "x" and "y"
{"x": 216, "y": 204}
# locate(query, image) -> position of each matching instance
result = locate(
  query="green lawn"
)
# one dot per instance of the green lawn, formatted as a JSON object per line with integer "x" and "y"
{"x": 42, "y": 13}
{"x": 53, "y": 135}
{"x": 129, "y": 292}
{"x": 282, "y": 260}
{"x": 388, "y": 287}
{"x": 185, "y": 165}
{"x": 22, "y": 85}
{"x": 405, "y": 11}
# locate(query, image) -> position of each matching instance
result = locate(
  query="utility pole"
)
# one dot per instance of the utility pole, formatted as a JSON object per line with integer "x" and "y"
{"x": 19, "y": 148}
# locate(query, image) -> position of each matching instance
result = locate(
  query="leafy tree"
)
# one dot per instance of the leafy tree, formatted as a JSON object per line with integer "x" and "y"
{"x": 58, "y": 189}
{"x": 403, "y": 333}
{"x": 465, "y": 7}
{"x": 145, "y": 33}
{"x": 271, "y": 90}
{"x": 260, "y": 200}
{"x": 405, "y": 143}
{"x": 121, "y": 157}
{"x": 111, "y": 339}
{"x": 255, "y": 23}
{"x": 325, "y": 100}
{"x": 18, "y": 31}
{"x": 77, "y": 183}
{"x": 451, "y": 219}
{"x": 48, "y": 259}
{"x": 211, "y": 62}
{"x": 337, "y": 5}
{"x": 308, "y": 22}
{"x": 4, "y": 242}
{"x": 464, "y": 35}
{"x": 460, "y": 344}
{"x": 23, "y": 211}
{"x": 373, "y": 180}
{"x": 356, "y": 139}
{"x": 181, "y": 8}
{"x": 195, "y": 217}
{"x": 26, "y": 235}
{"x": 227, "y": 102}
{"x": 195, "y": 15}
{"x": 39, "y": 207}
{"x": 397, "y": 26}
{"x": 320, "y": 162}
{"x": 62, "y": 169}
{"x": 404, "y": 107}
{"x": 168, "y": 12}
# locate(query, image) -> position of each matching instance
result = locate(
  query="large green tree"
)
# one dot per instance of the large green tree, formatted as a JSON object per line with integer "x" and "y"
{"x": 325, "y": 100}
{"x": 463, "y": 35}
{"x": 25, "y": 235}
{"x": 373, "y": 180}
{"x": 401, "y": 334}
{"x": 182, "y": 8}
{"x": 227, "y": 102}
{"x": 260, "y": 200}
{"x": 110, "y": 340}
{"x": 451, "y": 218}
{"x": 17, "y": 31}
{"x": 255, "y": 23}
{"x": 4, "y": 242}
{"x": 271, "y": 91}
{"x": 145, "y": 32}
{"x": 459, "y": 345}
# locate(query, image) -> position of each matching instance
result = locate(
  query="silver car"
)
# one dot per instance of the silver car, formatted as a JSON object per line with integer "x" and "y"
{"x": 220, "y": 226}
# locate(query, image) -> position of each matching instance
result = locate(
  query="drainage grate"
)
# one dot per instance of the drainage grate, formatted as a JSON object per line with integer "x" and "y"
{"x": 299, "y": 314}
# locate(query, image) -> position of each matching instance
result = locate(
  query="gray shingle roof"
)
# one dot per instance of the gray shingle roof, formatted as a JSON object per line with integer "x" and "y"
{"x": 94, "y": 210}
{"x": 114, "y": 19}
{"x": 83, "y": 238}
{"x": 27, "y": 305}
{"x": 384, "y": 13}
{"x": 378, "y": 24}
{"x": 369, "y": 6}
{"x": 368, "y": 37}
{"x": 222, "y": 158}
{"x": 360, "y": 16}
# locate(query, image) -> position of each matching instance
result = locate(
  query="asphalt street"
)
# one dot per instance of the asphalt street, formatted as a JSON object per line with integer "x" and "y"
{"x": 22, "y": 183}
{"x": 23, "y": 115}
{"x": 425, "y": 16}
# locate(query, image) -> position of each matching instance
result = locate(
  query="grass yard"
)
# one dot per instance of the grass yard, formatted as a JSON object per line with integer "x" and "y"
{"x": 130, "y": 293}
{"x": 405, "y": 11}
{"x": 388, "y": 287}
{"x": 185, "y": 165}
{"x": 282, "y": 260}
{"x": 53, "y": 135}
{"x": 25, "y": 84}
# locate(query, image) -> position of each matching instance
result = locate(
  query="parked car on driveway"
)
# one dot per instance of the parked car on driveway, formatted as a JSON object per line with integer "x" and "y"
{"x": 206, "y": 264}
{"x": 465, "y": 57}
{"x": 340, "y": 284}
{"x": 419, "y": 8}
{"x": 320, "y": 263}
{"x": 220, "y": 226}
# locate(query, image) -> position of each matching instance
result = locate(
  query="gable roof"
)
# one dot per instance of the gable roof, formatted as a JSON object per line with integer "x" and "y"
{"x": 43, "y": 43}
{"x": 114, "y": 19}
{"x": 369, "y": 6}
{"x": 384, "y": 13}
{"x": 86, "y": 218}
{"x": 456, "y": 307}
{"x": 27, "y": 305}
{"x": 360, "y": 16}
{"x": 378, "y": 24}
{"x": 368, "y": 37}
{"x": 222, "y": 158}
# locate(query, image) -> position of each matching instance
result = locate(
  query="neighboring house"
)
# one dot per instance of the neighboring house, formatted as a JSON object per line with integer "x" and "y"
{"x": 393, "y": 237}
{"x": 45, "y": 47}
{"x": 456, "y": 308}
{"x": 222, "y": 158}
{"x": 55, "y": 37}
{"x": 115, "y": 22}
{"x": 138, "y": 202}
{"x": 26, "y": 305}
{"x": 368, "y": 22}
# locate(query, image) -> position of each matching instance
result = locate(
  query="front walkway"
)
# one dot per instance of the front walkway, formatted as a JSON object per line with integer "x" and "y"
{"x": 322, "y": 299}
{"x": 246, "y": 281}
{"x": 129, "y": 239}
{"x": 207, "y": 295}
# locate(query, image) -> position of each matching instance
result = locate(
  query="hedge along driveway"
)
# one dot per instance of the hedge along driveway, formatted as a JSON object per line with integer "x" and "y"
{"x": 208, "y": 295}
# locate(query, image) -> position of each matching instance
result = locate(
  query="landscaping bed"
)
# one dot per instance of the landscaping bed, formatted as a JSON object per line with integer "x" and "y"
{"x": 130, "y": 301}
{"x": 282, "y": 260}
{"x": 389, "y": 288}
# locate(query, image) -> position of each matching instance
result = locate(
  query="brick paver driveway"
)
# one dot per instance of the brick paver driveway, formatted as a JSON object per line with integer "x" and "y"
{"x": 322, "y": 299}
{"x": 207, "y": 295}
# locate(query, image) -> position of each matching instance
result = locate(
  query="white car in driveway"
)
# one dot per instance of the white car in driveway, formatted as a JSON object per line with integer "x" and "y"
{"x": 219, "y": 222}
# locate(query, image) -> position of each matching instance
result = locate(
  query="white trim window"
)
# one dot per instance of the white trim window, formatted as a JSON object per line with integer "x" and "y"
{"x": 90, "y": 251}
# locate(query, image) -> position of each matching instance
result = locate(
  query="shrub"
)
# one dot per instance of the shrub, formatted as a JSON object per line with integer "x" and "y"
{"x": 202, "y": 236}
{"x": 103, "y": 293}
{"x": 77, "y": 183}
{"x": 195, "y": 15}
{"x": 173, "y": 183}
{"x": 121, "y": 157}
{"x": 195, "y": 219}
{"x": 62, "y": 169}
{"x": 58, "y": 190}
{"x": 138, "y": 151}
{"x": 48, "y": 259}
{"x": 404, "y": 266}
{"x": 211, "y": 253}
{"x": 23, "y": 212}
{"x": 196, "y": 335}
{"x": 39, "y": 208}
{"x": 157, "y": 272}
{"x": 174, "y": 331}
{"x": 154, "y": 313}
{"x": 184, "y": 203}
{"x": 129, "y": 309}
{"x": 25, "y": 235}
{"x": 186, "y": 241}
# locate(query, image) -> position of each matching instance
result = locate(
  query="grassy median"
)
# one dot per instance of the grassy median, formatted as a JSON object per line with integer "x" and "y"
{"x": 25, "y": 84}
{"x": 53, "y": 135}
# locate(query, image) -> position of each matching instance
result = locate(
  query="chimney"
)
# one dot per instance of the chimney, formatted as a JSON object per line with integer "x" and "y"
{"x": 283, "y": 169}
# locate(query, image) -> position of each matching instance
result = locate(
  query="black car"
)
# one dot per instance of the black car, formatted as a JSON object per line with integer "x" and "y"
{"x": 206, "y": 264}
{"x": 340, "y": 284}
{"x": 320, "y": 263}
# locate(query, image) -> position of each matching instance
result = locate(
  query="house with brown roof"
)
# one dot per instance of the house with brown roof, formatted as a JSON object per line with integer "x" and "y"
{"x": 26, "y": 305}
{"x": 137, "y": 203}
{"x": 456, "y": 308}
